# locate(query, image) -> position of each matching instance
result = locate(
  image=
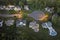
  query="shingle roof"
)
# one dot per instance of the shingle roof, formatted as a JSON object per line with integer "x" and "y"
{"x": 37, "y": 15}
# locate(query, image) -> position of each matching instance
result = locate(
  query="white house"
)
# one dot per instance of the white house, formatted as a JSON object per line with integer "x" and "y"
{"x": 1, "y": 8}
{"x": 36, "y": 30}
{"x": 20, "y": 23}
{"x": 1, "y": 23}
{"x": 48, "y": 9}
{"x": 34, "y": 26}
{"x": 54, "y": 16}
{"x": 52, "y": 32}
{"x": 26, "y": 7}
{"x": 48, "y": 25}
{"x": 9, "y": 22}
{"x": 10, "y": 7}
{"x": 17, "y": 8}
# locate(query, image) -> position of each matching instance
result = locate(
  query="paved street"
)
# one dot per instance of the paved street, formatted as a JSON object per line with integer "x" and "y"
{"x": 11, "y": 15}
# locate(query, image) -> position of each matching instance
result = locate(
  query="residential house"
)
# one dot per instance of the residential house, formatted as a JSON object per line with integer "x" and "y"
{"x": 48, "y": 25}
{"x": 1, "y": 23}
{"x": 10, "y": 7}
{"x": 52, "y": 32}
{"x": 48, "y": 9}
{"x": 20, "y": 23}
{"x": 1, "y": 7}
{"x": 39, "y": 15}
{"x": 26, "y": 7}
{"x": 54, "y": 16}
{"x": 17, "y": 8}
{"x": 34, "y": 26}
{"x": 9, "y": 22}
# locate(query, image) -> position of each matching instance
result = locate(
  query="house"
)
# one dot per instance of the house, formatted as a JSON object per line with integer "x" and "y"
{"x": 52, "y": 32}
{"x": 1, "y": 23}
{"x": 39, "y": 15}
{"x": 26, "y": 7}
{"x": 36, "y": 30}
{"x": 4, "y": 6}
{"x": 10, "y": 7}
{"x": 9, "y": 22}
{"x": 7, "y": 8}
{"x": 34, "y": 26}
{"x": 1, "y": 7}
{"x": 20, "y": 23}
{"x": 46, "y": 24}
{"x": 48, "y": 9}
{"x": 54, "y": 16}
{"x": 17, "y": 8}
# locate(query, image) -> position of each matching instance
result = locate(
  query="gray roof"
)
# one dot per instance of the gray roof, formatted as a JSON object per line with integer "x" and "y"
{"x": 36, "y": 14}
